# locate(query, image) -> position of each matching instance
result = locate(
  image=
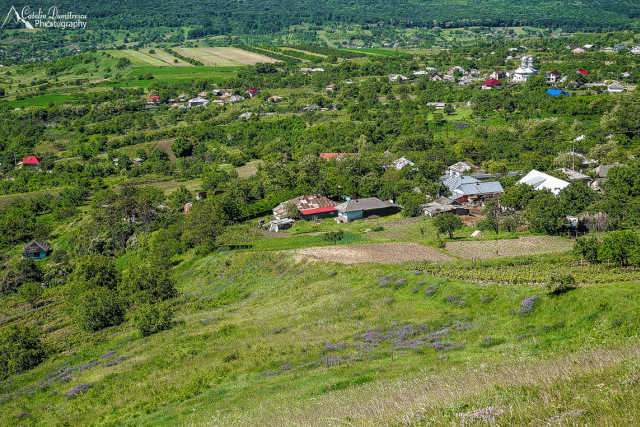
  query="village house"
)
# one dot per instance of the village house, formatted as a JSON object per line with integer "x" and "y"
{"x": 557, "y": 92}
{"x": 469, "y": 189}
{"x": 541, "y": 181}
{"x": 396, "y": 77}
{"x": 198, "y": 101}
{"x": 461, "y": 167}
{"x": 552, "y": 76}
{"x": 36, "y": 249}
{"x": 491, "y": 83}
{"x": 31, "y": 161}
{"x": 363, "y": 208}
{"x": 498, "y": 74}
{"x": 330, "y": 87}
{"x": 619, "y": 47}
{"x": 437, "y": 105}
{"x": 616, "y": 87}
{"x": 578, "y": 50}
{"x": 310, "y": 207}
{"x": 400, "y": 163}
{"x": 437, "y": 77}
{"x": 575, "y": 176}
{"x": 153, "y": 100}
{"x": 635, "y": 50}
{"x": 253, "y": 91}
{"x": 274, "y": 98}
{"x": 572, "y": 46}
{"x": 338, "y": 156}
{"x": 443, "y": 205}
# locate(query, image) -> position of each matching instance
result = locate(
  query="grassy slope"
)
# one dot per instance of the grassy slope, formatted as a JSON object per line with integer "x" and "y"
{"x": 238, "y": 321}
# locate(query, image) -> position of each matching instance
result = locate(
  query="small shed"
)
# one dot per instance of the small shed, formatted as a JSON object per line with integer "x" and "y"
{"x": 36, "y": 249}
{"x": 281, "y": 224}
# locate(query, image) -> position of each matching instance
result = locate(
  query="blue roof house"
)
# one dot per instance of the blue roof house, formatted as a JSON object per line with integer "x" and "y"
{"x": 557, "y": 92}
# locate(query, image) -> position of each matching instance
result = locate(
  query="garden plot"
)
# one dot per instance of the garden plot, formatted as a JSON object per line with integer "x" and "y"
{"x": 508, "y": 247}
{"x": 383, "y": 253}
{"x": 167, "y": 59}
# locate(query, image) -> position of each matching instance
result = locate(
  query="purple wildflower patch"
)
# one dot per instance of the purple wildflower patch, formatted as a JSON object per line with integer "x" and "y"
{"x": 23, "y": 415}
{"x": 400, "y": 282}
{"x": 390, "y": 300}
{"x": 430, "y": 290}
{"x": 487, "y": 299}
{"x": 523, "y": 336}
{"x": 79, "y": 389}
{"x": 414, "y": 290}
{"x": 486, "y": 415}
{"x": 386, "y": 280}
{"x": 561, "y": 418}
{"x": 452, "y": 299}
{"x": 528, "y": 305}
{"x": 336, "y": 346}
{"x": 333, "y": 273}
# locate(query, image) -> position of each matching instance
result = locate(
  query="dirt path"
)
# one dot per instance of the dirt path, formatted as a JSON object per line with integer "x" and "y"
{"x": 384, "y": 253}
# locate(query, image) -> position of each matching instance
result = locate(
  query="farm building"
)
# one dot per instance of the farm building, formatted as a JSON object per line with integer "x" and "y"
{"x": 31, "y": 161}
{"x": 575, "y": 176}
{"x": 444, "y": 205}
{"x": 362, "y": 208}
{"x": 491, "y": 83}
{"x": 541, "y": 181}
{"x": 400, "y": 163}
{"x": 616, "y": 87}
{"x": 198, "y": 101}
{"x": 280, "y": 224}
{"x": 36, "y": 249}
{"x": 338, "y": 156}
{"x": 469, "y": 189}
{"x": 461, "y": 167}
{"x": 310, "y": 207}
{"x": 253, "y": 91}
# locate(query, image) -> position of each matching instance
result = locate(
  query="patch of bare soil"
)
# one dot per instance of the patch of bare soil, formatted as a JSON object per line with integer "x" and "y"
{"x": 383, "y": 253}
{"x": 270, "y": 235}
{"x": 165, "y": 145}
{"x": 508, "y": 247}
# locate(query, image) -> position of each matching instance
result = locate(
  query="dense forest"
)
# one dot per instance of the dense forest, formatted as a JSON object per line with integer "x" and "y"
{"x": 238, "y": 17}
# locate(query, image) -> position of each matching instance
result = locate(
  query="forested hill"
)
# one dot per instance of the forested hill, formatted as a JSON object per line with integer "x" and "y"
{"x": 213, "y": 17}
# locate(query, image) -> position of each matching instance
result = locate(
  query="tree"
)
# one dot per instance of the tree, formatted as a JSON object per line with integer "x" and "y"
{"x": 449, "y": 109}
{"x": 575, "y": 197}
{"x": 205, "y": 221}
{"x": 158, "y": 155}
{"x": 517, "y": 196}
{"x": 92, "y": 272}
{"x": 20, "y": 349}
{"x": 490, "y": 222}
{"x": 620, "y": 247}
{"x": 587, "y": 248}
{"x": 147, "y": 284}
{"x": 98, "y": 308}
{"x": 31, "y": 293}
{"x": 545, "y": 213}
{"x": 447, "y": 223}
{"x": 181, "y": 147}
{"x": 292, "y": 211}
{"x": 411, "y": 203}
{"x": 152, "y": 318}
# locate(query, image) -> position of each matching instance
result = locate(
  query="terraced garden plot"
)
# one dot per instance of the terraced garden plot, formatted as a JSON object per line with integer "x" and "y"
{"x": 383, "y": 253}
{"x": 237, "y": 55}
{"x": 508, "y": 247}
{"x": 207, "y": 58}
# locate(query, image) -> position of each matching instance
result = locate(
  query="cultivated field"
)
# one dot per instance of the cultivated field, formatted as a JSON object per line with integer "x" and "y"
{"x": 168, "y": 59}
{"x": 137, "y": 59}
{"x": 207, "y": 58}
{"x": 383, "y": 253}
{"x": 237, "y": 55}
{"x": 508, "y": 247}
{"x": 248, "y": 170}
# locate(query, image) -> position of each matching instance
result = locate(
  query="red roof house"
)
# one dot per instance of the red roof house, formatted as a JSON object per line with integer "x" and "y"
{"x": 32, "y": 161}
{"x": 253, "y": 91}
{"x": 153, "y": 100}
{"x": 582, "y": 71}
{"x": 330, "y": 156}
{"x": 491, "y": 83}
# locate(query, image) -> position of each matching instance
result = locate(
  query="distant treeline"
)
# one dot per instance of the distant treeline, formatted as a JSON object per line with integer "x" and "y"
{"x": 184, "y": 58}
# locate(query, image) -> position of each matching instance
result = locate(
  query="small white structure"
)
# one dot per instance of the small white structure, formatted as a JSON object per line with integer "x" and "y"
{"x": 400, "y": 163}
{"x": 525, "y": 70}
{"x": 541, "y": 181}
{"x": 477, "y": 233}
{"x": 280, "y": 224}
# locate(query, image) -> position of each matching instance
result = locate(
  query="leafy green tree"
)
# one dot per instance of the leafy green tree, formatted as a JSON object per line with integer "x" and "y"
{"x": 575, "y": 198}
{"x": 158, "y": 155}
{"x": 447, "y": 223}
{"x": 20, "y": 349}
{"x": 91, "y": 272}
{"x": 620, "y": 247}
{"x": 517, "y": 196}
{"x": 587, "y": 248}
{"x": 31, "y": 293}
{"x": 152, "y": 318}
{"x": 180, "y": 196}
{"x": 411, "y": 204}
{"x": 181, "y": 147}
{"x": 98, "y": 308}
{"x": 545, "y": 212}
{"x": 205, "y": 221}
{"x": 146, "y": 284}
{"x": 292, "y": 211}
{"x": 449, "y": 109}
{"x": 490, "y": 222}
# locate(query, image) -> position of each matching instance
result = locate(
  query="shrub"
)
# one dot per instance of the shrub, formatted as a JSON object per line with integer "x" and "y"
{"x": 97, "y": 309}
{"x": 587, "y": 248}
{"x": 558, "y": 282}
{"x": 31, "y": 293}
{"x": 147, "y": 284}
{"x": 20, "y": 350}
{"x": 333, "y": 236}
{"x": 378, "y": 228}
{"x": 152, "y": 318}
{"x": 441, "y": 243}
{"x": 447, "y": 223}
{"x": 490, "y": 341}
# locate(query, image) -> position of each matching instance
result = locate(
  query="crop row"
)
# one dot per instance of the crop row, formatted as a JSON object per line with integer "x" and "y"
{"x": 268, "y": 53}
{"x": 340, "y": 53}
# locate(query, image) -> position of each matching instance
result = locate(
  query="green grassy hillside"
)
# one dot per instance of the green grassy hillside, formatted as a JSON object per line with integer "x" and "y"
{"x": 260, "y": 339}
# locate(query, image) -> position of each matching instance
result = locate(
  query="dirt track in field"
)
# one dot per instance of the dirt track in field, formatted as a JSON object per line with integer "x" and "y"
{"x": 383, "y": 253}
{"x": 508, "y": 247}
